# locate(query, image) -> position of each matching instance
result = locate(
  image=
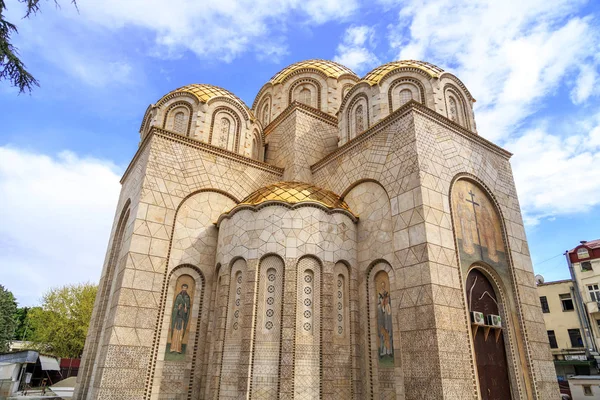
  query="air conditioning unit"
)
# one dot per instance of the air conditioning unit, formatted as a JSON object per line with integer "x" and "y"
{"x": 477, "y": 318}
{"x": 494, "y": 320}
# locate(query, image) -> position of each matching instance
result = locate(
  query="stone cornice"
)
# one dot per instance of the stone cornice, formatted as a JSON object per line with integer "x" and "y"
{"x": 313, "y": 112}
{"x": 405, "y": 109}
{"x": 174, "y": 137}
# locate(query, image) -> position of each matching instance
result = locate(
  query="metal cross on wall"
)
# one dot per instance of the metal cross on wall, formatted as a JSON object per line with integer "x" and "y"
{"x": 474, "y": 203}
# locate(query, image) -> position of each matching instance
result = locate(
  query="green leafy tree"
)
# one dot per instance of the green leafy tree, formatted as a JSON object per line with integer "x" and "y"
{"x": 24, "y": 330}
{"x": 61, "y": 323}
{"x": 8, "y": 322}
{"x": 11, "y": 66}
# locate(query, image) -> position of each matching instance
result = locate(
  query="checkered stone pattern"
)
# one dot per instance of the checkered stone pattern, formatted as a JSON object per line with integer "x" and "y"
{"x": 307, "y": 368}
{"x": 267, "y": 331}
{"x": 299, "y": 141}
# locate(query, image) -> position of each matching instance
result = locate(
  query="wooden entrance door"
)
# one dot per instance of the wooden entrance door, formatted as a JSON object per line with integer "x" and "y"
{"x": 490, "y": 353}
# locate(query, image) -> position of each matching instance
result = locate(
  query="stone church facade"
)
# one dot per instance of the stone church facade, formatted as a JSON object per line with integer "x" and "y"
{"x": 329, "y": 242}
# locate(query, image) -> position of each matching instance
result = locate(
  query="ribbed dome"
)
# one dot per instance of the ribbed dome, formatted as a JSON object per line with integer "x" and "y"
{"x": 329, "y": 68}
{"x": 296, "y": 192}
{"x": 205, "y": 92}
{"x": 376, "y": 75}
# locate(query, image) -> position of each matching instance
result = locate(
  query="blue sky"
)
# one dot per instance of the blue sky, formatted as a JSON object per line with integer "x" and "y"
{"x": 532, "y": 65}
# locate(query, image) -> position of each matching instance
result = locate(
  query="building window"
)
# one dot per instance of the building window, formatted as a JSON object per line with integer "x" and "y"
{"x": 453, "y": 110}
{"x": 179, "y": 122}
{"x": 567, "y": 302}
{"x": 305, "y": 97}
{"x": 587, "y": 390}
{"x": 544, "y": 302}
{"x": 582, "y": 253}
{"x": 586, "y": 266}
{"x": 405, "y": 96}
{"x": 552, "y": 340}
{"x": 594, "y": 292}
{"x": 359, "y": 119}
{"x": 575, "y": 336}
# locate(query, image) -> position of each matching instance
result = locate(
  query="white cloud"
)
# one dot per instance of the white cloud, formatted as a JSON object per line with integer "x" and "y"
{"x": 56, "y": 215}
{"x": 556, "y": 175}
{"x": 355, "y": 51}
{"x": 221, "y": 29}
{"x": 509, "y": 53}
{"x": 516, "y": 57}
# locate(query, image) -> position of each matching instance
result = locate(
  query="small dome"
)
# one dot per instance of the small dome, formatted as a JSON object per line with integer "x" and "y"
{"x": 294, "y": 193}
{"x": 376, "y": 75}
{"x": 329, "y": 68}
{"x": 204, "y": 92}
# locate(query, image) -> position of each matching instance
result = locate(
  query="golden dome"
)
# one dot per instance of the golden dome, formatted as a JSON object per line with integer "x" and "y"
{"x": 294, "y": 193}
{"x": 376, "y": 75}
{"x": 204, "y": 92}
{"x": 329, "y": 68}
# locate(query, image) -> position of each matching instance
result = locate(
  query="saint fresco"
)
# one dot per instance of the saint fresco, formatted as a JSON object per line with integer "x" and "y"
{"x": 180, "y": 318}
{"x": 385, "y": 337}
{"x": 477, "y": 227}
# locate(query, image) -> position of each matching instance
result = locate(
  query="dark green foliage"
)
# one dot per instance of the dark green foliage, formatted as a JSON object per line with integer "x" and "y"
{"x": 8, "y": 322}
{"x": 11, "y": 66}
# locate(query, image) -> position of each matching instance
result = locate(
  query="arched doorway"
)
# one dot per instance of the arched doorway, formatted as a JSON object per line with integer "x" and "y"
{"x": 488, "y": 340}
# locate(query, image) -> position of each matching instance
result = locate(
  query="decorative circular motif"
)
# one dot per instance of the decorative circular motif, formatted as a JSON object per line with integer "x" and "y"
{"x": 269, "y": 313}
{"x": 307, "y": 314}
{"x": 307, "y": 326}
{"x": 237, "y": 302}
{"x": 269, "y": 325}
{"x": 339, "y": 295}
{"x": 271, "y": 289}
{"x": 340, "y": 330}
{"x": 271, "y": 277}
{"x": 339, "y": 306}
{"x": 307, "y": 302}
{"x": 307, "y": 278}
{"x": 339, "y": 283}
{"x": 340, "y": 317}
{"x": 270, "y": 301}
{"x": 238, "y": 290}
{"x": 235, "y": 325}
{"x": 239, "y": 279}
{"x": 236, "y": 313}
{"x": 307, "y": 290}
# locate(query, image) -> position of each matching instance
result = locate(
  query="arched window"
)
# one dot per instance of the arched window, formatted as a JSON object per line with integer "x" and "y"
{"x": 265, "y": 114}
{"x": 305, "y": 97}
{"x": 255, "y": 146}
{"x": 359, "y": 119}
{"x": 405, "y": 96}
{"x": 179, "y": 122}
{"x": 453, "y": 110}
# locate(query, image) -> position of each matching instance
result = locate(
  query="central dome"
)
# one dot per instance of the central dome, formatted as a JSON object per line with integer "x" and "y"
{"x": 375, "y": 76}
{"x": 294, "y": 193}
{"x": 330, "y": 68}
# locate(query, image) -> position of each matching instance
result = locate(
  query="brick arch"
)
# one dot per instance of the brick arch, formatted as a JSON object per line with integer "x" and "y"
{"x": 399, "y": 81}
{"x": 518, "y": 343}
{"x": 450, "y": 89}
{"x": 237, "y": 128}
{"x": 301, "y": 81}
{"x": 173, "y": 107}
{"x": 350, "y": 115}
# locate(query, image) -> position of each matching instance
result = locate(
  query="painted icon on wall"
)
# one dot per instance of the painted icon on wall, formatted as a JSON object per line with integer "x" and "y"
{"x": 180, "y": 319}
{"x": 385, "y": 337}
{"x": 477, "y": 226}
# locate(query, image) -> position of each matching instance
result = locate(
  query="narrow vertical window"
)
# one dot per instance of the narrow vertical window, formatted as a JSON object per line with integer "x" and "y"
{"x": 305, "y": 97}
{"x": 224, "y": 133}
{"x": 453, "y": 111}
{"x": 405, "y": 96}
{"x": 179, "y": 122}
{"x": 359, "y": 122}
{"x": 552, "y": 340}
{"x": 265, "y": 115}
{"x": 544, "y": 303}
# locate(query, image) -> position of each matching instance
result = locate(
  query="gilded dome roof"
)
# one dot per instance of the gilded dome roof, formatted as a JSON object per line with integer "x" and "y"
{"x": 294, "y": 193}
{"x": 329, "y": 68}
{"x": 377, "y": 74}
{"x": 204, "y": 92}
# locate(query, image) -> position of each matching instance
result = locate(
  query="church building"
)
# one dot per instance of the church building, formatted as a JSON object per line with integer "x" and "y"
{"x": 343, "y": 238}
